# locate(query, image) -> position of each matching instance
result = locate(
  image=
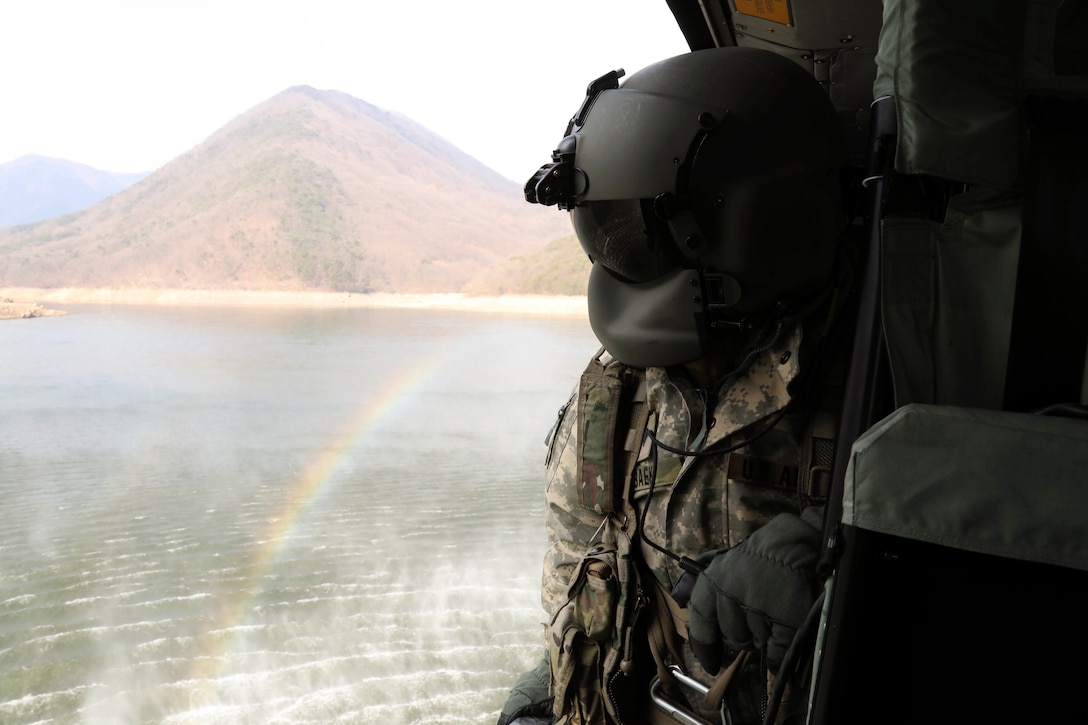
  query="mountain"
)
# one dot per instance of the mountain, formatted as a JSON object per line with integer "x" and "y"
{"x": 308, "y": 190}
{"x": 559, "y": 268}
{"x": 33, "y": 188}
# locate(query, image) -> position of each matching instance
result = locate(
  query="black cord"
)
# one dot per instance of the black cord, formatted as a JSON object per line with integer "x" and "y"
{"x": 790, "y": 660}
{"x": 803, "y": 394}
{"x": 713, "y": 450}
{"x": 686, "y": 563}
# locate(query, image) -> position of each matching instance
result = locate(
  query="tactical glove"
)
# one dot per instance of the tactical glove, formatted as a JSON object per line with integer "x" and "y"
{"x": 530, "y": 700}
{"x": 755, "y": 595}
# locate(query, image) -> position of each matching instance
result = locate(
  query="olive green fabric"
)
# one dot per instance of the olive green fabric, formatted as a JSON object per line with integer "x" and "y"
{"x": 960, "y": 96}
{"x": 756, "y": 595}
{"x": 947, "y": 300}
{"x": 958, "y": 113}
{"x": 948, "y": 284}
{"x": 530, "y": 695}
{"x": 1006, "y": 484}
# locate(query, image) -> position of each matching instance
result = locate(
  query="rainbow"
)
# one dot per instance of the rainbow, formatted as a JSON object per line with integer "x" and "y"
{"x": 323, "y": 469}
{"x": 315, "y": 479}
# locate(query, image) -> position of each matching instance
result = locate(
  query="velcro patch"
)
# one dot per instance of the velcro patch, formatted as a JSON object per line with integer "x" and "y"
{"x": 663, "y": 475}
{"x": 598, "y": 406}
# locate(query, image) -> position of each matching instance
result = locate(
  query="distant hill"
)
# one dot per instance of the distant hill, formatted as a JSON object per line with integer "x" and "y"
{"x": 308, "y": 190}
{"x": 559, "y": 268}
{"x": 33, "y": 188}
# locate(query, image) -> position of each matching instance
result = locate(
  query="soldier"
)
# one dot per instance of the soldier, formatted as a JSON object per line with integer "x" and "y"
{"x": 686, "y": 474}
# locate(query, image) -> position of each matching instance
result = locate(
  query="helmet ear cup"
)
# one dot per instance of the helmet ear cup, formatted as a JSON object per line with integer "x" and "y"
{"x": 765, "y": 188}
{"x": 774, "y": 230}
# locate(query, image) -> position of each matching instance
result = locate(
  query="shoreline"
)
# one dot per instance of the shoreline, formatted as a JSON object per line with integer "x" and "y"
{"x": 14, "y": 310}
{"x": 36, "y": 298}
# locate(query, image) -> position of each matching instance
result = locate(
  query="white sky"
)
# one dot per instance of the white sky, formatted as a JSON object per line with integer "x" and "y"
{"x": 127, "y": 85}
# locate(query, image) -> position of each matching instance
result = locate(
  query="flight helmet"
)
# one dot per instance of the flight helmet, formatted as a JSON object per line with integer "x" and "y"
{"x": 706, "y": 191}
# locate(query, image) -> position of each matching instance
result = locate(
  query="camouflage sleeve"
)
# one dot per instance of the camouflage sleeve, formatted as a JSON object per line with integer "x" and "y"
{"x": 570, "y": 526}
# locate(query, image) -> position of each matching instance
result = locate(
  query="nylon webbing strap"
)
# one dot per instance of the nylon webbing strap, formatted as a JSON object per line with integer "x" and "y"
{"x": 639, "y": 416}
{"x": 1049, "y": 336}
{"x": 611, "y": 410}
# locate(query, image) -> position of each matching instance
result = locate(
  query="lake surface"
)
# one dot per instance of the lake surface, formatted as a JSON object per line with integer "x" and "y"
{"x": 273, "y": 516}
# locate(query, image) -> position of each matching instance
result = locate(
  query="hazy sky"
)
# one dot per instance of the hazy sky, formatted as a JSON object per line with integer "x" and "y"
{"x": 127, "y": 85}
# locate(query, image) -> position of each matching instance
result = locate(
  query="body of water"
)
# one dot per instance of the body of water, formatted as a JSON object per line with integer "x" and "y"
{"x": 273, "y": 516}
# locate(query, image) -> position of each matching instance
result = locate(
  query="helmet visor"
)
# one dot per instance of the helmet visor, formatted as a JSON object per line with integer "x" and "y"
{"x": 632, "y": 144}
{"x": 618, "y": 235}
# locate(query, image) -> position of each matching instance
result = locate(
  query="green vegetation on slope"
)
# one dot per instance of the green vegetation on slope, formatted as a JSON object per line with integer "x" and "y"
{"x": 560, "y": 268}
{"x": 322, "y": 254}
{"x": 309, "y": 190}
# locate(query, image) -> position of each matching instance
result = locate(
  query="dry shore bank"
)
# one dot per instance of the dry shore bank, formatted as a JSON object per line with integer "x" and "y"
{"x": 26, "y": 297}
{"x": 12, "y": 309}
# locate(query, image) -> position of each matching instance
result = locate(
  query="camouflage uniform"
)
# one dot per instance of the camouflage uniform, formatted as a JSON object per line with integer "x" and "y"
{"x": 698, "y": 504}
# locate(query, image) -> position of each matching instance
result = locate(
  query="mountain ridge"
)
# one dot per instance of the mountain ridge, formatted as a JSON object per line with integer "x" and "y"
{"x": 35, "y": 188}
{"x": 311, "y": 189}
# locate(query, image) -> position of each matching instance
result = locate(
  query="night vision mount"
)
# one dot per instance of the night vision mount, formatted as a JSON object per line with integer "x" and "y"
{"x": 560, "y": 182}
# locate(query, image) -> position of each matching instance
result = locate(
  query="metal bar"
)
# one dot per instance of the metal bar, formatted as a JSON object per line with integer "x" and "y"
{"x": 678, "y": 712}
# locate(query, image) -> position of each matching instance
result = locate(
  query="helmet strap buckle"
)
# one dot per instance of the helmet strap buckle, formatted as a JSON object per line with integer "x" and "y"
{"x": 721, "y": 292}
